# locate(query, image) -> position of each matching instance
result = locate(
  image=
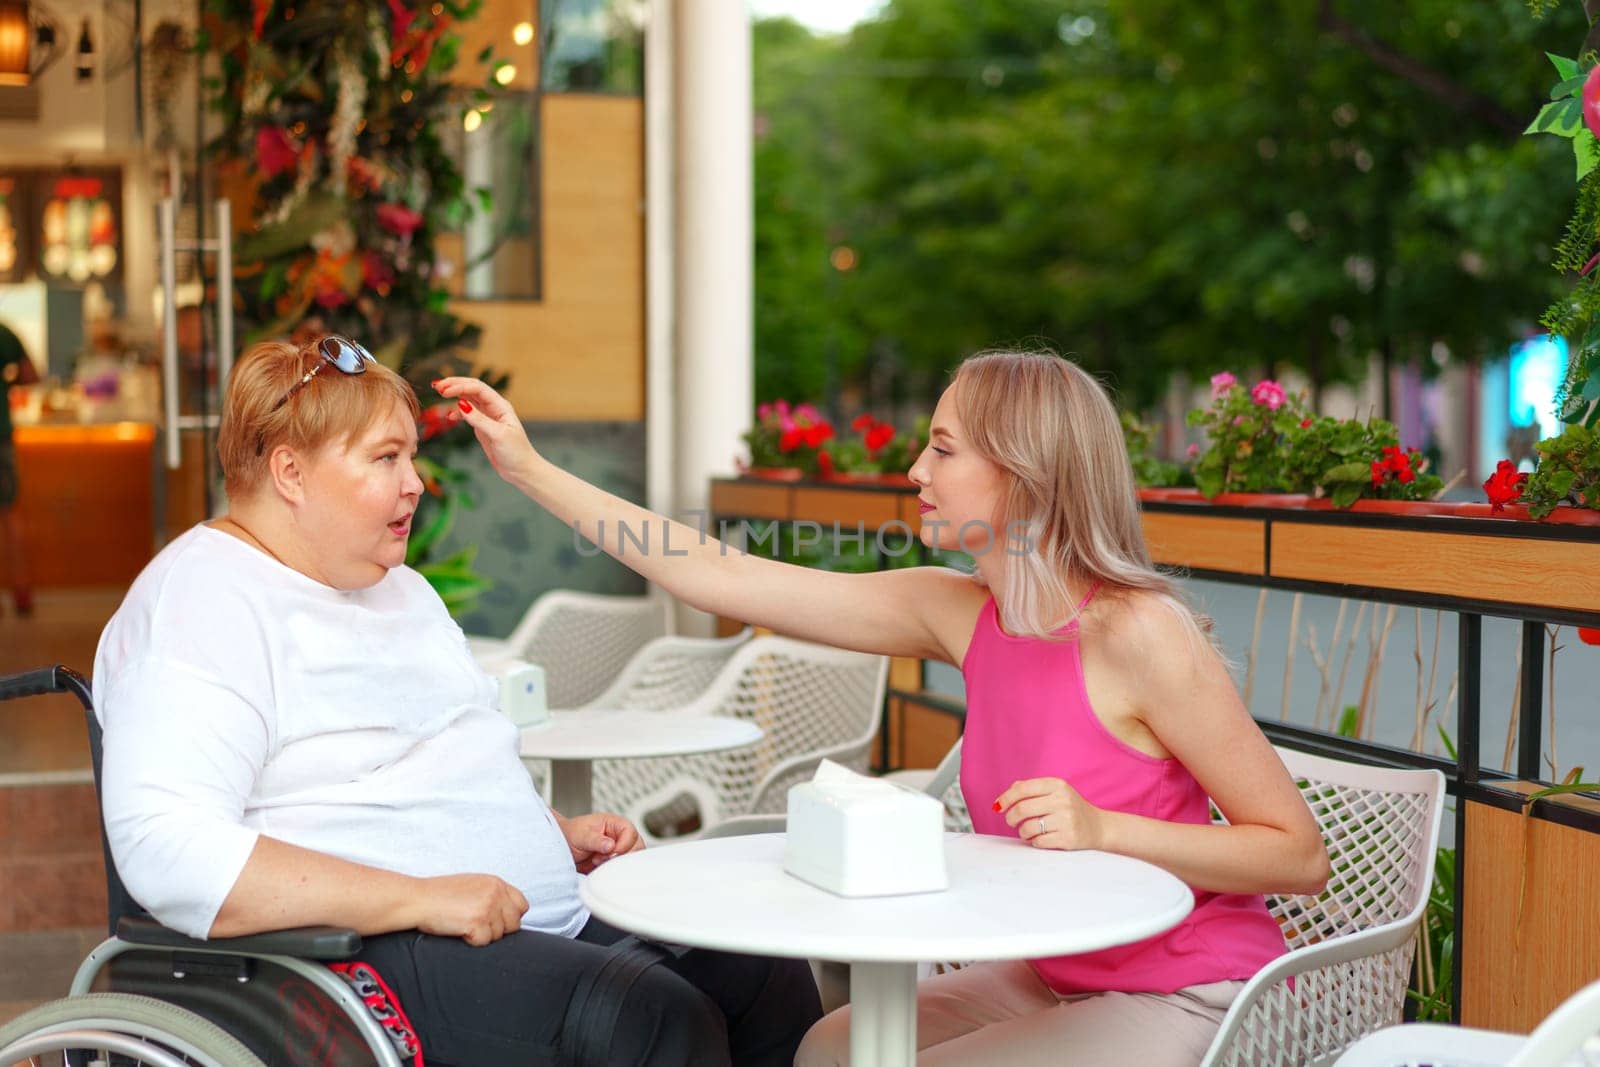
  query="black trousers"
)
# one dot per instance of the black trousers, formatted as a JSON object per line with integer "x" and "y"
{"x": 533, "y": 998}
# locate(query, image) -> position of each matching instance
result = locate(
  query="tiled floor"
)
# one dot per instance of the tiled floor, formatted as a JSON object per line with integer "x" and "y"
{"x": 35, "y": 967}
{"x": 50, "y": 863}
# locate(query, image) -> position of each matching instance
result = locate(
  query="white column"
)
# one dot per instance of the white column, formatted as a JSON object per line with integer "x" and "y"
{"x": 660, "y": 428}
{"x": 714, "y": 247}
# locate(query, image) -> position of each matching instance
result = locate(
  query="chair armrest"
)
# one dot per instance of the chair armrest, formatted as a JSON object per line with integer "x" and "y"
{"x": 305, "y": 942}
{"x": 1345, "y": 988}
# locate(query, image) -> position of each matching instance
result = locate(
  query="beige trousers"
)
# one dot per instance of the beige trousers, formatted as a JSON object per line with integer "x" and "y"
{"x": 1003, "y": 1014}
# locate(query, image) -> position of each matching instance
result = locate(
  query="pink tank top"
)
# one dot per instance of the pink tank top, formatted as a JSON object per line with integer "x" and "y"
{"x": 1028, "y": 716}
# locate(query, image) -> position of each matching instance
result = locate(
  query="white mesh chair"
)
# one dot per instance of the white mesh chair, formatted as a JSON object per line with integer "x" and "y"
{"x": 1569, "y": 1037}
{"x": 1351, "y": 945}
{"x": 669, "y": 672}
{"x": 811, "y": 701}
{"x": 582, "y": 640}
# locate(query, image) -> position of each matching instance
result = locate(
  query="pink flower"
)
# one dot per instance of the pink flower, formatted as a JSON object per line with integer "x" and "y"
{"x": 1268, "y": 394}
{"x": 1192, "y": 451}
{"x": 398, "y": 219}
{"x": 782, "y": 408}
{"x": 763, "y": 412}
{"x": 807, "y": 412}
{"x": 276, "y": 151}
{"x": 1238, "y": 420}
{"x": 1591, "y": 101}
{"x": 1221, "y": 382}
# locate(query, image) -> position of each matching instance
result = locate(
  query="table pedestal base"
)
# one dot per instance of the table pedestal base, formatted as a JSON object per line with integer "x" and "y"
{"x": 570, "y": 785}
{"x": 883, "y": 1014}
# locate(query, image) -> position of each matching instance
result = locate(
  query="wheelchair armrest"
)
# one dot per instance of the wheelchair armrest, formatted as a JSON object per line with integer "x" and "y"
{"x": 305, "y": 942}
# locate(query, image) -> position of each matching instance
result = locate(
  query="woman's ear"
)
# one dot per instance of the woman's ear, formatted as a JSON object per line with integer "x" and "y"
{"x": 286, "y": 468}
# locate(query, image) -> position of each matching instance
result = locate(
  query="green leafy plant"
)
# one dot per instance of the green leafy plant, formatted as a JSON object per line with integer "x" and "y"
{"x": 1245, "y": 429}
{"x": 1568, "y": 472}
{"x": 1347, "y": 459}
{"x": 1573, "y": 112}
{"x": 1433, "y": 987}
{"x": 876, "y": 448}
{"x": 1149, "y": 471}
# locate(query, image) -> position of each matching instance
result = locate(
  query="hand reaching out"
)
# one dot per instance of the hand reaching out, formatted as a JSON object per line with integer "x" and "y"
{"x": 596, "y": 838}
{"x": 493, "y": 420}
{"x": 1049, "y": 813}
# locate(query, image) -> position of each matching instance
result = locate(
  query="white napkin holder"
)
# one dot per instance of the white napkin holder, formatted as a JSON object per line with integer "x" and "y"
{"x": 864, "y": 837}
{"x": 523, "y": 696}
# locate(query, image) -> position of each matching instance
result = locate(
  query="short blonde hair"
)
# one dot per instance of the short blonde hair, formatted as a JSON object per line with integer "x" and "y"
{"x": 1053, "y": 431}
{"x": 331, "y": 405}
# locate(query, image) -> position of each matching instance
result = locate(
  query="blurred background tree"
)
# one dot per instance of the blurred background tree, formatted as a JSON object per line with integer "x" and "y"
{"x": 1152, "y": 186}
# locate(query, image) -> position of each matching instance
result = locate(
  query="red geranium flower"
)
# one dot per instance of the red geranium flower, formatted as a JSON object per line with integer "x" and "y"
{"x": 1504, "y": 486}
{"x": 435, "y": 420}
{"x": 824, "y": 464}
{"x": 862, "y": 423}
{"x": 789, "y": 440}
{"x": 878, "y": 436}
{"x": 815, "y": 435}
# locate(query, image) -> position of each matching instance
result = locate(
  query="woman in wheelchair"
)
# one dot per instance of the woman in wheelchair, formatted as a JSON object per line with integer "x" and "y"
{"x": 295, "y": 733}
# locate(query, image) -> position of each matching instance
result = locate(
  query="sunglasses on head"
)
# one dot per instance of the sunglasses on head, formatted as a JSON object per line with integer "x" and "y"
{"x": 341, "y": 353}
{"x": 345, "y": 355}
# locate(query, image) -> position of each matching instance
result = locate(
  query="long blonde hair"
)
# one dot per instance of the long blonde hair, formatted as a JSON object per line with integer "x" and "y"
{"x": 1051, "y": 428}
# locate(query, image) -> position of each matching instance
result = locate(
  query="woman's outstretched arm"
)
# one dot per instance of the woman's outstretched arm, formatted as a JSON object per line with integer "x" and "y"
{"x": 910, "y": 612}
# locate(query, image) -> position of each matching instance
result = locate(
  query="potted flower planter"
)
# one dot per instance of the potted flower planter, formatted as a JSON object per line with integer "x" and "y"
{"x": 1261, "y": 500}
{"x": 1565, "y": 515}
{"x": 774, "y": 474}
{"x": 1374, "y": 506}
{"x": 1171, "y": 492}
{"x": 894, "y": 480}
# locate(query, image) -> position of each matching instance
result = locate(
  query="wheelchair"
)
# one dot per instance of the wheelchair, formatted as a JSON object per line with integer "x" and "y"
{"x": 289, "y": 998}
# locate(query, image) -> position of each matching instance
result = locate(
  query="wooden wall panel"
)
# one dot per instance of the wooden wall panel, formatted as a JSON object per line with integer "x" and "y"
{"x": 1207, "y": 542}
{"x": 1514, "y": 973}
{"x": 578, "y": 353}
{"x": 919, "y": 736}
{"x": 1558, "y": 574}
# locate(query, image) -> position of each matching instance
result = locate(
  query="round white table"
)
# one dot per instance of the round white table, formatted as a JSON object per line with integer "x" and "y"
{"x": 1005, "y": 901}
{"x": 571, "y": 740}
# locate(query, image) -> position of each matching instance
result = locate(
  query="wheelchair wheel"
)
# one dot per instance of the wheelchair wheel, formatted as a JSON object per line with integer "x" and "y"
{"x": 117, "y": 1029}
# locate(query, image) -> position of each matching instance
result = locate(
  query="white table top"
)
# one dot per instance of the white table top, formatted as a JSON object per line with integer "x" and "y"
{"x": 1006, "y": 901}
{"x": 598, "y": 733}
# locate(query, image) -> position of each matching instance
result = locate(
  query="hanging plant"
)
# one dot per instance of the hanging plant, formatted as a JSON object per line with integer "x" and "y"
{"x": 330, "y": 112}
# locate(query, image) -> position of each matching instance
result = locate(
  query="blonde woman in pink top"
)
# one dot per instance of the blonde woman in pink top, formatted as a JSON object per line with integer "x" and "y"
{"x": 1099, "y": 713}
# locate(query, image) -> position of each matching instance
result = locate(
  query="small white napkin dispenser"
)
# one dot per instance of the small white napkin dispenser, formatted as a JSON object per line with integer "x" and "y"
{"x": 864, "y": 837}
{"x": 522, "y": 693}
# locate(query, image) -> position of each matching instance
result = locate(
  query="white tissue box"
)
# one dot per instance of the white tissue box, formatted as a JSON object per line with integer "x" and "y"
{"x": 864, "y": 837}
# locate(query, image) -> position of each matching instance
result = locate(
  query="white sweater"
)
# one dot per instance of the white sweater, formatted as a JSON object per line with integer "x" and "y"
{"x": 240, "y": 697}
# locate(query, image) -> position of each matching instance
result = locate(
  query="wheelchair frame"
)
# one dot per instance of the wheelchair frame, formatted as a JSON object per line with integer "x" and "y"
{"x": 293, "y": 950}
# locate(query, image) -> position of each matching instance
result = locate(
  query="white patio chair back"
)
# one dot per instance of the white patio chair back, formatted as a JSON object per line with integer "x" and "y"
{"x": 1568, "y": 1037}
{"x": 582, "y": 640}
{"x": 1350, "y": 947}
{"x": 669, "y": 672}
{"x": 812, "y": 702}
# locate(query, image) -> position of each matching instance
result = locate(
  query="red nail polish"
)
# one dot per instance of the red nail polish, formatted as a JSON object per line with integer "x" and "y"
{"x": 997, "y": 805}
{"x": 466, "y": 408}
{"x": 435, "y": 382}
